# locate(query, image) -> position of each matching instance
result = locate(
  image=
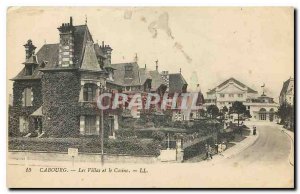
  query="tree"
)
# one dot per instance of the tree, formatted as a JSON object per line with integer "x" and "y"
{"x": 239, "y": 109}
{"x": 225, "y": 109}
{"x": 286, "y": 114}
{"x": 213, "y": 111}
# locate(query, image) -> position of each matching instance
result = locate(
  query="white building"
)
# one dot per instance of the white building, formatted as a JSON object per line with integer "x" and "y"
{"x": 261, "y": 108}
{"x": 228, "y": 92}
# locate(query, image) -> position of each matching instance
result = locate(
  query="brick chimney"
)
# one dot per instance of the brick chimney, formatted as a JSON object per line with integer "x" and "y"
{"x": 165, "y": 77}
{"x": 29, "y": 49}
{"x": 107, "y": 52}
{"x": 66, "y": 44}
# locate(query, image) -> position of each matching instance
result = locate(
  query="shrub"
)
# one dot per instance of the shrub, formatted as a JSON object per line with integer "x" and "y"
{"x": 158, "y": 135}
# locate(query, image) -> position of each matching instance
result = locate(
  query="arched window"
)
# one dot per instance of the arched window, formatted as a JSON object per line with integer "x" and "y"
{"x": 89, "y": 92}
{"x": 262, "y": 114}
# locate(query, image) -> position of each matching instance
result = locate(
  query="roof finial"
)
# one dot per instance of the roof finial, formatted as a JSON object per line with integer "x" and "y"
{"x": 45, "y": 42}
{"x": 145, "y": 66}
{"x": 180, "y": 70}
{"x": 156, "y": 66}
{"x": 136, "y": 58}
{"x": 85, "y": 19}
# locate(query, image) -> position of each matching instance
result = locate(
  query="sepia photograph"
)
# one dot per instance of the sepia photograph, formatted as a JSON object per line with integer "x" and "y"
{"x": 150, "y": 97}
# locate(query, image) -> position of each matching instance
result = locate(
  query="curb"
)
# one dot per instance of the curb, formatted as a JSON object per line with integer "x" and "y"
{"x": 244, "y": 147}
{"x": 292, "y": 147}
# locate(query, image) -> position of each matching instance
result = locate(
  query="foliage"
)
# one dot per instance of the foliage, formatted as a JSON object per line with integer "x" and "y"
{"x": 87, "y": 145}
{"x": 286, "y": 114}
{"x": 158, "y": 135}
{"x": 239, "y": 108}
{"x": 213, "y": 111}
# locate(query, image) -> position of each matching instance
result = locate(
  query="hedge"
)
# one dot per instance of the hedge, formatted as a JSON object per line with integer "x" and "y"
{"x": 87, "y": 145}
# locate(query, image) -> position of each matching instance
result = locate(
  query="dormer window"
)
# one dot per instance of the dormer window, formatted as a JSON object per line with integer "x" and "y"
{"x": 129, "y": 71}
{"x": 28, "y": 70}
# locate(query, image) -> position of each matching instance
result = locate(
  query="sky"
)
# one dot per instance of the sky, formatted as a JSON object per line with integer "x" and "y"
{"x": 209, "y": 44}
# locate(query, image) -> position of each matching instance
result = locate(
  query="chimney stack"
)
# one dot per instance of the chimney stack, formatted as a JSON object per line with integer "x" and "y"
{"x": 66, "y": 44}
{"x": 29, "y": 49}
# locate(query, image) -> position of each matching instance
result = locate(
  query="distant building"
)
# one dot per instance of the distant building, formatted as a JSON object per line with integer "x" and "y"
{"x": 228, "y": 92}
{"x": 287, "y": 92}
{"x": 261, "y": 108}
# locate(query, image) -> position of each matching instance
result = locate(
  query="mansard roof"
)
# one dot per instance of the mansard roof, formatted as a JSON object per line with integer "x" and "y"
{"x": 249, "y": 90}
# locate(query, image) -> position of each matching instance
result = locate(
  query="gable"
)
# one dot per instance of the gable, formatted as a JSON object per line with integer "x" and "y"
{"x": 232, "y": 88}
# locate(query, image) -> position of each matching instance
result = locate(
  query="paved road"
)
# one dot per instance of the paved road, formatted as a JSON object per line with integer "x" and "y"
{"x": 266, "y": 162}
{"x": 272, "y": 146}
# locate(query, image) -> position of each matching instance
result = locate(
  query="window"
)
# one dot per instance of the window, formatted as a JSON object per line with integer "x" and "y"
{"x": 90, "y": 125}
{"x": 240, "y": 95}
{"x": 231, "y": 95}
{"x": 27, "y": 97}
{"x": 89, "y": 92}
{"x": 28, "y": 70}
{"x": 23, "y": 125}
{"x": 222, "y": 95}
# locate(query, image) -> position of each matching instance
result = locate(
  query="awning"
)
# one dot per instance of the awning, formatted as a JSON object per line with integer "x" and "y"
{"x": 38, "y": 112}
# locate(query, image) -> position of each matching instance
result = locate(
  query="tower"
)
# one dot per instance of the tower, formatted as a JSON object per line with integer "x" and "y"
{"x": 66, "y": 44}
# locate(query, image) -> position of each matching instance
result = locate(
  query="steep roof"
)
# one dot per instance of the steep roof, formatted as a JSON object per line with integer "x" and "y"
{"x": 249, "y": 90}
{"x": 285, "y": 86}
{"x": 49, "y": 54}
{"x": 81, "y": 35}
{"x": 89, "y": 61}
{"x": 139, "y": 75}
{"x": 157, "y": 80}
{"x": 176, "y": 82}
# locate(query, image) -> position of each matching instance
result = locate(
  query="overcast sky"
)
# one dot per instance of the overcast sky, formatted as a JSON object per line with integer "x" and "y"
{"x": 253, "y": 45}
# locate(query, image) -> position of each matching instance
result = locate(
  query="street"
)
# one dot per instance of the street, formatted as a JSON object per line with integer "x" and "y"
{"x": 263, "y": 164}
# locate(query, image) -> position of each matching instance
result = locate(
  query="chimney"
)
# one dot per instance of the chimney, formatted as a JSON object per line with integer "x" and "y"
{"x": 66, "y": 44}
{"x": 156, "y": 65}
{"x": 165, "y": 77}
{"x": 29, "y": 49}
{"x": 107, "y": 52}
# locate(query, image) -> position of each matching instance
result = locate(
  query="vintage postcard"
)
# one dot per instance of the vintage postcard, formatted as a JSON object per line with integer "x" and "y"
{"x": 150, "y": 97}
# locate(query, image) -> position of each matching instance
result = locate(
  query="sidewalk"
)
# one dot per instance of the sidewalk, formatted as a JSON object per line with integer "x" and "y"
{"x": 290, "y": 135}
{"x": 237, "y": 148}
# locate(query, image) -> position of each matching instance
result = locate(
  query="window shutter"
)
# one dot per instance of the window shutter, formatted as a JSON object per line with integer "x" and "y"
{"x": 23, "y": 97}
{"x": 31, "y": 97}
{"x": 21, "y": 124}
{"x": 82, "y": 124}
